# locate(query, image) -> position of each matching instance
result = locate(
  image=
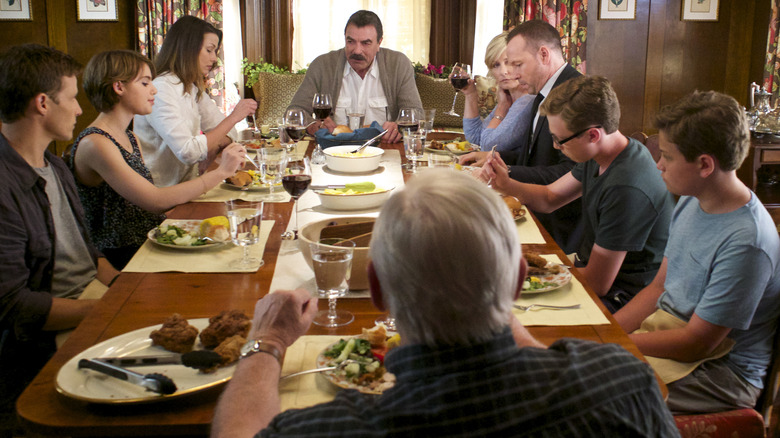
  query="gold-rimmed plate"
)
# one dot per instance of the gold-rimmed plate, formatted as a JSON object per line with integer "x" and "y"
{"x": 337, "y": 377}
{"x": 90, "y": 386}
{"x": 552, "y": 281}
{"x": 191, "y": 226}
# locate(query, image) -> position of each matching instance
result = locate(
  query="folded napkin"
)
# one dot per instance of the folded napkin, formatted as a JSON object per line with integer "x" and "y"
{"x": 310, "y": 389}
{"x": 671, "y": 370}
{"x": 359, "y": 136}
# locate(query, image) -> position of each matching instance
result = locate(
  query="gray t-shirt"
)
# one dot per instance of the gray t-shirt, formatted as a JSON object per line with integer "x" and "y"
{"x": 726, "y": 269}
{"x": 73, "y": 266}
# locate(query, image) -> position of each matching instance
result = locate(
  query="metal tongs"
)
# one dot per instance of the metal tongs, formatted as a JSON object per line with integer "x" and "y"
{"x": 369, "y": 142}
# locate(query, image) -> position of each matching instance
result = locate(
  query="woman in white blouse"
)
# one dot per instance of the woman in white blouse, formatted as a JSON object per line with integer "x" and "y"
{"x": 185, "y": 130}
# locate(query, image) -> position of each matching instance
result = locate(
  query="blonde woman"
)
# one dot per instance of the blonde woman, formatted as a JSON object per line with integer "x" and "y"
{"x": 507, "y": 125}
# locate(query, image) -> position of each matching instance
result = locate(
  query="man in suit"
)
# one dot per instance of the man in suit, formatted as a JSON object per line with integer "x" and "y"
{"x": 534, "y": 50}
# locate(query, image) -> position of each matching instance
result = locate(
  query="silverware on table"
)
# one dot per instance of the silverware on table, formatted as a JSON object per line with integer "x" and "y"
{"x": 198, "y": 359}
{"x": 492, "y": 153}
{"x": 545, "y": 306}
{"x": 341, "y": 365}
{"x": 367, "y": 143}
{"x": 154, "y": 382}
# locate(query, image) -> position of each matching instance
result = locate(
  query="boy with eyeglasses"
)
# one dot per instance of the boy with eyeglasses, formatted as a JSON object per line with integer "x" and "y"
{"x": 625, "y": 205}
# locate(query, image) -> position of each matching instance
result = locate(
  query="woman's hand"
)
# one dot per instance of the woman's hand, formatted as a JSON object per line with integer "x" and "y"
{"x": 233, "y": 158}
{"x": 243, "y": 108}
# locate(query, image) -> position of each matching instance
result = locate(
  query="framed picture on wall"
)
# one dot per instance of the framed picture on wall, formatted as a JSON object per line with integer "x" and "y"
{"x": 700, "y": 10}
{"x": 96, "y": 10}
{"x": 617, "y": 10}
{"x": 18, "y": 10}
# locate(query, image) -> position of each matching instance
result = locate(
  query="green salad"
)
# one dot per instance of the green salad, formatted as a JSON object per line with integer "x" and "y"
{"x": 173, "y": 235}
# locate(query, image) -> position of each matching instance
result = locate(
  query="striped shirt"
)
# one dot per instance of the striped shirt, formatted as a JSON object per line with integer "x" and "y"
{"x": 574, "y": 388}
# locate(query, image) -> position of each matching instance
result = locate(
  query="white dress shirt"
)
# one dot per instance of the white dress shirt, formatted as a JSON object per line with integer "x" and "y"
{"x": 171, "y": 136}
{"x": 548, "y": 86}
{"x": 362, "y": 95}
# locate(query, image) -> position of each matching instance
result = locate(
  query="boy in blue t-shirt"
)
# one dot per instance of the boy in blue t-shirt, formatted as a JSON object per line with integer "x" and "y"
{"x": 721, "y": 272}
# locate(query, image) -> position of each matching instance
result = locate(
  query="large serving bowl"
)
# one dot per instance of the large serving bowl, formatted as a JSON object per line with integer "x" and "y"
{"x": 358, "y": 201}
{"x": 311, "y": 233}
{"x": 367, "y": 161}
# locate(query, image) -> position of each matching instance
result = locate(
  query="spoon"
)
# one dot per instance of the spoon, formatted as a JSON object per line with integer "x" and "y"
{"x": 368, "y": 142}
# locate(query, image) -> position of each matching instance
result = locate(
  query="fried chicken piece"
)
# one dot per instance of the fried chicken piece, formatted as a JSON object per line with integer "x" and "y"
{"x": 436, "y": 145}
{"x": 230, "y": 350}
{"x": 223, "y": 326}
{"x": 176, "y": 335}
{"x": 240, "y": 179}
{"x": 376, "y": 336}
{"x": 538, "y": 265}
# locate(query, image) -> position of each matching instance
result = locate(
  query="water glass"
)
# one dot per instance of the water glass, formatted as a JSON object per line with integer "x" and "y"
{"x": 413, "y": 148}
{"x": 426, "y": 122}
{"x": 440, "y": 160}
{"x": 355, "y": 120}
{"x": 332, "y": 262}
{"x": 245, "y": 218}
{"x": 272, "y": 163}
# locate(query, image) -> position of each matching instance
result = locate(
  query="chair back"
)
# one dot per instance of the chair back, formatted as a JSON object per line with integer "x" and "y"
{"x": 769, "y": 402}
{"x": 652, "y": 145}
{"x": 639, "y": 136}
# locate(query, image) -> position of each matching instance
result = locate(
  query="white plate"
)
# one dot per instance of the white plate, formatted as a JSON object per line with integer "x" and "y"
{"x": 94, "y": 387}
{"x": 340, "y": 381}
{"x": 560, "y": 280}
{"x": 359, "y": 201}
{"x": 190, "y": 225}
{"x": 252, "y": 187}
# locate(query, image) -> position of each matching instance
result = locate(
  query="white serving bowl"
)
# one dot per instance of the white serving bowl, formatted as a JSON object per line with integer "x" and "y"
{"x": 368, "y": 162}
{"x": 358, "y": 201}
{"x": 311, "y": 233}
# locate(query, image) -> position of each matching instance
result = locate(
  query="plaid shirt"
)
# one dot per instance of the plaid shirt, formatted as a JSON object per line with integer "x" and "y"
{"x": 574, "y": 388}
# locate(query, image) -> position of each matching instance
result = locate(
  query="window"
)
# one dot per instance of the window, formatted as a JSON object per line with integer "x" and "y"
{"x": 489, "y": 23}
{"x": 319, "y": 26}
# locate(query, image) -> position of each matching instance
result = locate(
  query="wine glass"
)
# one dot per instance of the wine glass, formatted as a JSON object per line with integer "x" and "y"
{"x": 296, "y": 180}
{"x": 408, "y": 120}
{"x": 332, "y": 263}
{"x": 413, "y": 149}
{"x": 321, "y": 103}
{"x": 294, "y": 126}
{"x": 245, "y": 218}
{"x": 461, "y": 73}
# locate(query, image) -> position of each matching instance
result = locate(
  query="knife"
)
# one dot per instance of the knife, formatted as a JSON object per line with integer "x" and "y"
{"x": 198, "y": 359}
{"x": 154, "y": 382}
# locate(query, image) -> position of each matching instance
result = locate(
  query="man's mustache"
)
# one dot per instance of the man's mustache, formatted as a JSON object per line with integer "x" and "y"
{"x": 357, "y": 57}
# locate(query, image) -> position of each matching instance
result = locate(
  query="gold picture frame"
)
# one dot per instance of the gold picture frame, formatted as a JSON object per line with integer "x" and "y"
{"x": 617, "y": 10}
{"x": 97, "y": 10}
{"x": 700, "y": 10}
{"x": 15, "y": 10}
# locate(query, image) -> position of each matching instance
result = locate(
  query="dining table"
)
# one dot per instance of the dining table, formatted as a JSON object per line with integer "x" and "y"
{"x": 142, "y": 298}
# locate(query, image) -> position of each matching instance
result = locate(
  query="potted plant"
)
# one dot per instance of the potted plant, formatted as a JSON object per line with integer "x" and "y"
{"x": 273, "y": 87}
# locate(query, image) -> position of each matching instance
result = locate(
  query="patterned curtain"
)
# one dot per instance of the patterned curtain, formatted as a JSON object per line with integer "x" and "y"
{"x": 772, "y": 66}
{"x": 570, "y": 17}
{"x": 155, "y": 17}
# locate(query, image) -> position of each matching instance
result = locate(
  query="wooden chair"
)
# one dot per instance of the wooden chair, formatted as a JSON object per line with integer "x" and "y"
{"x": 652, "y": 145}
{"x": 639, "y": 136}
{"x": 741, "y": 423}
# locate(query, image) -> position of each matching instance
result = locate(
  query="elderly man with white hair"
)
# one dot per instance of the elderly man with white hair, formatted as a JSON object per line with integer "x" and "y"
{"x": 446, "y": 262}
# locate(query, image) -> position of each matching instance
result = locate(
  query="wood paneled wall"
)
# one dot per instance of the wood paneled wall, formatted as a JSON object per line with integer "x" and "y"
{"x": 657, "y": 58}
{"x": 55, "y": 23}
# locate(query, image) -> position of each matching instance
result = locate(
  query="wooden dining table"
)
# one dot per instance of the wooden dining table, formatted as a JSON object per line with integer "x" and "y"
{"x": 138, "y": 300}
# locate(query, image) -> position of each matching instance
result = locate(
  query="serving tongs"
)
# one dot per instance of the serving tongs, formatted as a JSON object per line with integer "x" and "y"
{"x": 154, "y": 382}
{"x": 368, "y": 143}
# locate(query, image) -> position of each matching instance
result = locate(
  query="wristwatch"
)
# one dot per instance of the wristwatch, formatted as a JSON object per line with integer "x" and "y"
{"x": 258, "y": 346}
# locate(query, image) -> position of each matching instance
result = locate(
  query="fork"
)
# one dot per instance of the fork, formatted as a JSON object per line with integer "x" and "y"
{"x": 545, "y": 306}
{"x": 492, "y": 153}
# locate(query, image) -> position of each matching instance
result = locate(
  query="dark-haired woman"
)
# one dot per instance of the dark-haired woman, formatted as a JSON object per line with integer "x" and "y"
{"x": 185, "y": 131}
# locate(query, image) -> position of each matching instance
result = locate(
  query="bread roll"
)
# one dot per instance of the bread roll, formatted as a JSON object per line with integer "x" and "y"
{"x": 240, "y": 179}
{"x": 341, "y": 129}
{"x": 515, "y": 206}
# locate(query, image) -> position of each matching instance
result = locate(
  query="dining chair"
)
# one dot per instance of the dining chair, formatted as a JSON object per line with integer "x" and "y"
{"x": 763, "y": 421}
{"x": 652, "y": 145}
{"x": 639, "y": 136}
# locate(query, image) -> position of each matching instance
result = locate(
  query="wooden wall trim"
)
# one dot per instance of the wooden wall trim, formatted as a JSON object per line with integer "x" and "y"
{"x": 654, "y": 68}
{"x": 55, "y": 22}
{"x": 737, "y": 68}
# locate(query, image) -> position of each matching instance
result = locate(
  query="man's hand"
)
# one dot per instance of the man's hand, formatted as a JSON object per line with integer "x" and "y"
{"x": 328, "y": 123}
{"x": 522, "y": 337}
{"x": 473, "y": 159}
{"x": 283, "y": 316}
{"x": 393, "y": 135}
{"x": 495, "y": 171}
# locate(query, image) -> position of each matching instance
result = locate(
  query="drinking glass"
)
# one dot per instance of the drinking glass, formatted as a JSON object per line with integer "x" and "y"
{"x": 296, "y": 180}
{"x": 408, "y": 120}
{"x": 461, "y": 73}
{"x": 426, "y": 121}
{"x": 245, "y": 218}
{"x": 273, "y": 161}
{"x": 321, "y": 103}
{"x": 294, "y": 126}
{"x": 355, "y": 119}
{"x": 413, "y": 148}
{"x": 440, "y": 160}
{"x": 332, "y": 262}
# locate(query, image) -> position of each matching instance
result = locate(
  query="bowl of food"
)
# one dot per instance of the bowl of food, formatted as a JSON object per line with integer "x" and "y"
{"x": 354, "y": 196}
{"x": 355, "y": 228}
{"x": 342, "y": 159}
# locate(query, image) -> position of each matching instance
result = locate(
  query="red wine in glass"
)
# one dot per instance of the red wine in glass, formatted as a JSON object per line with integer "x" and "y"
{"x": 296, "y": 185}
{"x": 459, "y": 83}
{"x": 322, "y": 112}
{"x": 295, "y": 132}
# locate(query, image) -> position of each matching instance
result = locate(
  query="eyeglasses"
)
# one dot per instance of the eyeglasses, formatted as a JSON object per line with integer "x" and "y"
{"x": 573, "y": 136}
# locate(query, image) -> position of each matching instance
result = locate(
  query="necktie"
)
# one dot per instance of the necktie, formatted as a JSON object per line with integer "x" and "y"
{"x": 534, "y": 121}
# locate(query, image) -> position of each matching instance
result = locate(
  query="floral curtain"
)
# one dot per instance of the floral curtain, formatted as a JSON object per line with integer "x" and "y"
{"x": 570, "y": 17}
{"x": 772, "y": 66}
{"x": 155, "y": 17}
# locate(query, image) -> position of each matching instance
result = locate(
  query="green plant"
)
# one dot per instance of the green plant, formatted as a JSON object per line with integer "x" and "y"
{"x": 252, "y": 69}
